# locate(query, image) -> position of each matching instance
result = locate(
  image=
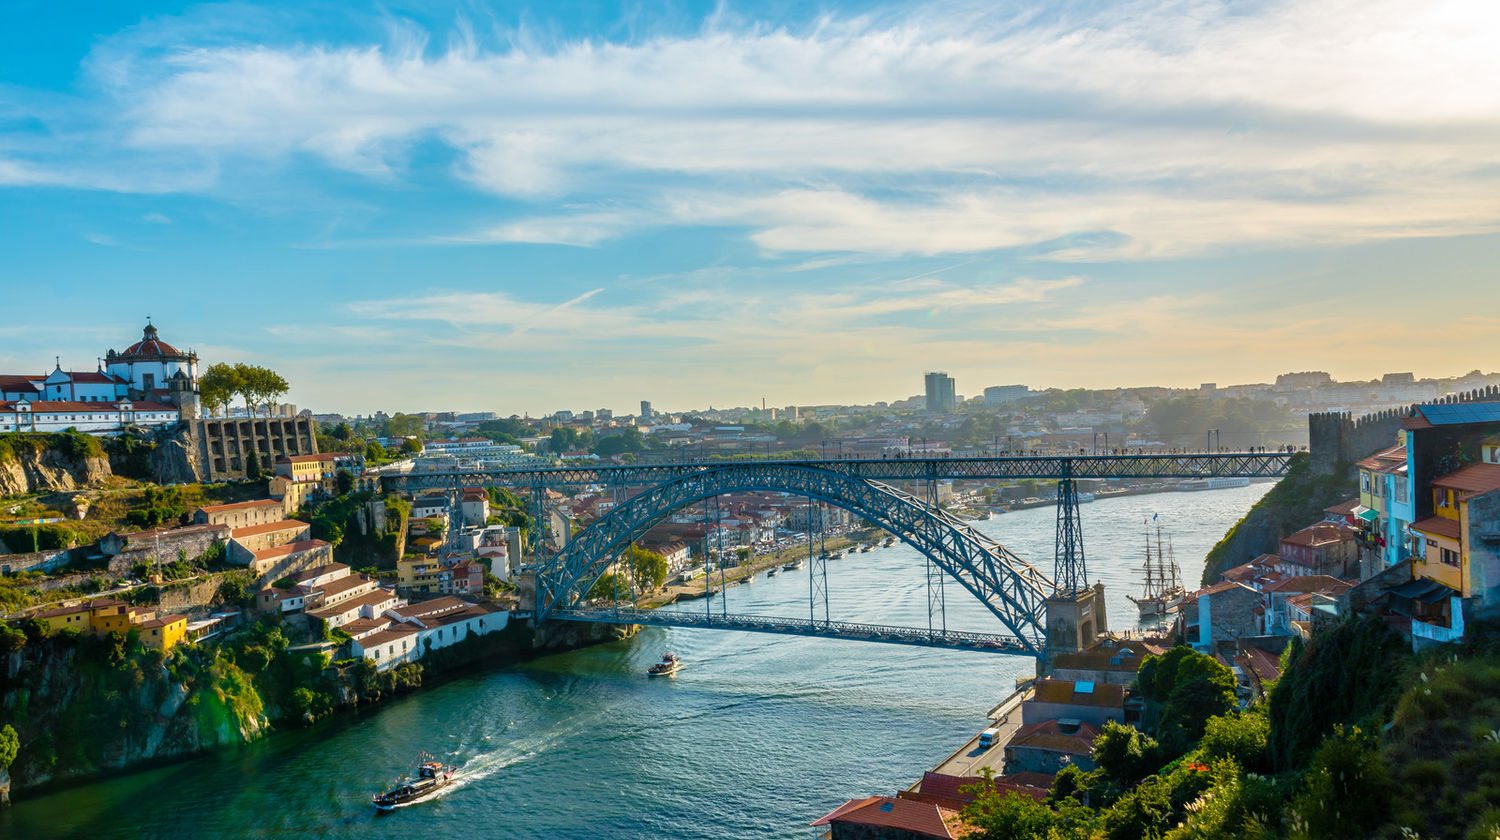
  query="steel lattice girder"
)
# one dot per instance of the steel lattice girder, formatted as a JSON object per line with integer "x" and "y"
{"x": 1214, "y": 465}
{"x": 1012, "y": 589}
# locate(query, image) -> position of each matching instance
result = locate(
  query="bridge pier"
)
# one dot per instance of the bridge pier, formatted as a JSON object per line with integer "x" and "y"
{"x": 1074, "y": 620}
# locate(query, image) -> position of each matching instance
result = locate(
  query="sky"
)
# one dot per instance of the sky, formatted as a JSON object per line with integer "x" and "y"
{"x": 528, "y": 207}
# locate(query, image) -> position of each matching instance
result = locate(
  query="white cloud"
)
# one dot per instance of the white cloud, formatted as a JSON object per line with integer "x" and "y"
{"x": 1180, "y": 125}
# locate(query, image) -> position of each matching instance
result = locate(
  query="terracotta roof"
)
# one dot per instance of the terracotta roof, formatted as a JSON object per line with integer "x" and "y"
{"x": 1321, "y": 533}
{"x": 268, "y": 528}
{"x": 394, "y": 633}
{"x": 1102, "y": 659}
{"x": 1310, "y": 583}
{"x": 165, "y": 620}
{"x": 304, "y": 459}
{"x": 1053, "y": 735}
{"x": 319, "y": 571}
{"x": 1106, "y": 695}
{"x": 254, "y": 503}
{"x": 1342, "y": 508}
{"x": 59, "y": 406}
{"x": 1223, "y": 586}
{"x": 1266, "y": 666}
{"x": 288, "y": 549}
{"x": 949, "y": 790}
{"x": 10, "y": 382}
{"x": 1384, "y": 460}
{"x": 921, "y": 818}
{"x": 1471, "y": 481}
{"x": 149, "y": 347}
{"x": 53, "y": 613}
{"x": 1437, "y": 526}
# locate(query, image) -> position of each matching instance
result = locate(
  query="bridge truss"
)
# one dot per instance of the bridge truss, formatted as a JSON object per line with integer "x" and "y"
{"x": 1012, "y": 589}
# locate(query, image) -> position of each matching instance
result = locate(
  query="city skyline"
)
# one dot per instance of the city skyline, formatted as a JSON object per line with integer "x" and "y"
{"x": 520, "y": 209}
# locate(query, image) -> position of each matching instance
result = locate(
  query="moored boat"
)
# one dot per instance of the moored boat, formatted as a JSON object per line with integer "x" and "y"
{"x": 431, "y": 777}
{"x": 1163, "y": 590}
{"x": 772, "y": 572}
{"x": 793, "y": 566}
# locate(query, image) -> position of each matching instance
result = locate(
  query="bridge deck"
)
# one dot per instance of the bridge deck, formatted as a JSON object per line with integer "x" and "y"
{"x": 1146, "y": 465}
{"x": 918, "y": 636}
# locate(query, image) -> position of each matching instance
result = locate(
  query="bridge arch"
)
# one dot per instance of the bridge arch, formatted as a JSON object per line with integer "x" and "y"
{"x": 1013, "y": 590}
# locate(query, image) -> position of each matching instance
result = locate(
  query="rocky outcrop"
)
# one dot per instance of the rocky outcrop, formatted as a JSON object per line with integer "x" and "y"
{"x": 176, "y": 460}
{"x": 44, "y": 463}
{"x": 1296, "y": 502}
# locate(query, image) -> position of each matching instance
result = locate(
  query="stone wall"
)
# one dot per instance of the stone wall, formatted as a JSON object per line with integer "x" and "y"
{"x": 1335, "y": 438}
{"x": 183, "y": 598}
{"x": 224, "y": 443}
{"x": 34, "y": 561}
{"x": 166, "y": 546}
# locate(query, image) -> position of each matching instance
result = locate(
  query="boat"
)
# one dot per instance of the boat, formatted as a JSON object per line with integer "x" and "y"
{"x": 1162, "y": 590}
{"x": 668, "y": 666}
{"x": 1085, "y": 497}
{"x": 837, "y": 555}
{"x": 866, "y": 547}
{"x": 772, "y": 572}
{"x": 888, "y": 542}
{"x": 431, "y": 777}
{"x": 792, "y": 566}
{"x": 1220, "y": 483}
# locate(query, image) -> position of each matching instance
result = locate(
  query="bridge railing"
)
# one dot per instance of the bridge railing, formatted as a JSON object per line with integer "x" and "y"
{"x": 855, "y": 631}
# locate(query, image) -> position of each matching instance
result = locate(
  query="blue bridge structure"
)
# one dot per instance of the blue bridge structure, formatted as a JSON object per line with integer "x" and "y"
{"x": 1014, "y": 591}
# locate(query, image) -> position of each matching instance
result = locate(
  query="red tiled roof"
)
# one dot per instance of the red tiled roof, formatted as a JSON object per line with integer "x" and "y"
{"x": 1265, "y": 666}
{"x": 288, "y": 549}
{"x": 1384, "y": 460}
{"x": 268, "y": 528}
{"x": 921, "y": 818}
{"x": 1471, "y": 481}
{"x": 1049, "y": 735}
{"x": 253, "y": 503}
{"x": 1342, "y": 508}
{"x": 163, "y": 621}
{"x": 1321, "y": 533}
{"x": 1310, "y": 583}
{"x": 1437, "y": 526}
{"x": 12, "y": 382}
{"x": 304, "y": 459}
{"x": 395, "y": 633}
{"x": 59, "y": 406}
{"x": 949, "y": 790}
{"x": 1106, "y": 695}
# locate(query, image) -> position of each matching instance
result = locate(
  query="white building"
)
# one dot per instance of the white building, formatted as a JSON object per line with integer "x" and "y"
{"x": 92, "y": 417}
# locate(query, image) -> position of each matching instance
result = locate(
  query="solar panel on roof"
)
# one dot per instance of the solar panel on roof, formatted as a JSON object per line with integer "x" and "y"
{"x": 1084, "y": 687}
{"x": 887, "y": 807}
{"x": 1447, "y": 414}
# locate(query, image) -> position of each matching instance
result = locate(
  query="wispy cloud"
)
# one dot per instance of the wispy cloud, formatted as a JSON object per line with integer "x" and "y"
{"x": 1178, "y": 127}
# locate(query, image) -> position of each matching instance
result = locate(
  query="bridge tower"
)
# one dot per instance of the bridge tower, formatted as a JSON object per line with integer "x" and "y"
{"x": 1075, "y": 613}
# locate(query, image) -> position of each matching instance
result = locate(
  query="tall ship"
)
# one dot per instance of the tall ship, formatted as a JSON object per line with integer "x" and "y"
{"x": 1162, "y": 590}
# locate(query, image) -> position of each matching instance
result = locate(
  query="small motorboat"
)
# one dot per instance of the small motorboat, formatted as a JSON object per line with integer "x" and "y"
{"x": 668, "y": 666}
{"x": 772, "y": 572}
{"x": 432, "y": 776}
{"x": 792, "y": 566}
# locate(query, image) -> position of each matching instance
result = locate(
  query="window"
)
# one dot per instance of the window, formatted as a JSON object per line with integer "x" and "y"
{"x": 1449, "y": 557}
{"x": 1364, "y": 481}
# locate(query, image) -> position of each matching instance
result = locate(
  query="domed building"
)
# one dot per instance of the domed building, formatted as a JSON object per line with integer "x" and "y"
{"x": 153, "y": 369}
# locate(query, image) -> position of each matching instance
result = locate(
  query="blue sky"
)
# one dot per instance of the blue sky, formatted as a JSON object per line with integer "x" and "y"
{"x": 525, "y": 207}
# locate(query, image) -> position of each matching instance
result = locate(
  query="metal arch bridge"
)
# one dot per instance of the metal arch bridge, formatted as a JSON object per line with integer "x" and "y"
{"x": 1013, "y": 590}
{"x": 1150, "y": 465}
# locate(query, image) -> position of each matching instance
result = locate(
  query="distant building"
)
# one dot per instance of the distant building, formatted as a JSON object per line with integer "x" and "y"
{"x": 645, "y": 409}
{"x": 941, "y": 394}
{"x": 998, "y": 395}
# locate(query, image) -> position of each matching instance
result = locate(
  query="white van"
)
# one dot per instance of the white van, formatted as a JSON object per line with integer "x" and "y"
{"x": 987, "y": 738}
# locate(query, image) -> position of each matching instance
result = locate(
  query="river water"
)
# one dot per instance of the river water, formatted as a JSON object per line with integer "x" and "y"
{"x": 755, "y": 738}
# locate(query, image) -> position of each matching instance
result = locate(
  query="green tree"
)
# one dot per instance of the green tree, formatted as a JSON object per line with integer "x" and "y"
{"x": 1241, "y": 737}
{"x": 1125, "y": 755}
{"x": 1348, "y": 791}
{"x": 1012, "y": 816}
{"x": 343, "y": 432}
{"x": 10, "y": 744}
{"x": 344, "y": 481}
{"x": 1183, "y": 689}
{"x": 411, "y": 446}
{"x": 374, "y": 452}
{"x": 648, "y": 568}
{"x": 252, "y": 466}
{"x": 217, "y": 386}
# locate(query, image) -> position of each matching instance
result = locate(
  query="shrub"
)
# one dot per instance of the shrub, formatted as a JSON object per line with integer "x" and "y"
{"x": 1242, "y": 737}
{"x": 1347, "y": 792}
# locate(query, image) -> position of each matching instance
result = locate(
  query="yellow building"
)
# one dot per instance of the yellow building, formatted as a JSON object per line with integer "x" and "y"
{"x": 306, "y": 467}
{"x": 1445, "y": 536}
{"x": 1372, "y": 483}
{"x": 108, "y": 615}
{"x": 164, "y": 633}
{"x": 64, "y": 617}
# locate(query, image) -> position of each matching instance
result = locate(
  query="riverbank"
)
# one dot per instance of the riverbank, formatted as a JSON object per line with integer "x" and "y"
{"x": 89, "y": 709}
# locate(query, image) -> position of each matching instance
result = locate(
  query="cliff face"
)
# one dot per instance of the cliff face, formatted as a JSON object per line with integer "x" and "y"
{"x": 43, "y": 463}
{"x": 1294, "y": 503}
{"x": 82, "y": 708}
{"x": 176, "y": 460}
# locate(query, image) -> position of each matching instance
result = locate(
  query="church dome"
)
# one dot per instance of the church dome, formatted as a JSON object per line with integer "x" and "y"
{"x": 150, "y": 347}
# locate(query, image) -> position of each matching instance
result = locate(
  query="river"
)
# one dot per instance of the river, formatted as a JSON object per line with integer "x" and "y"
{"x": 755, "y": 738}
